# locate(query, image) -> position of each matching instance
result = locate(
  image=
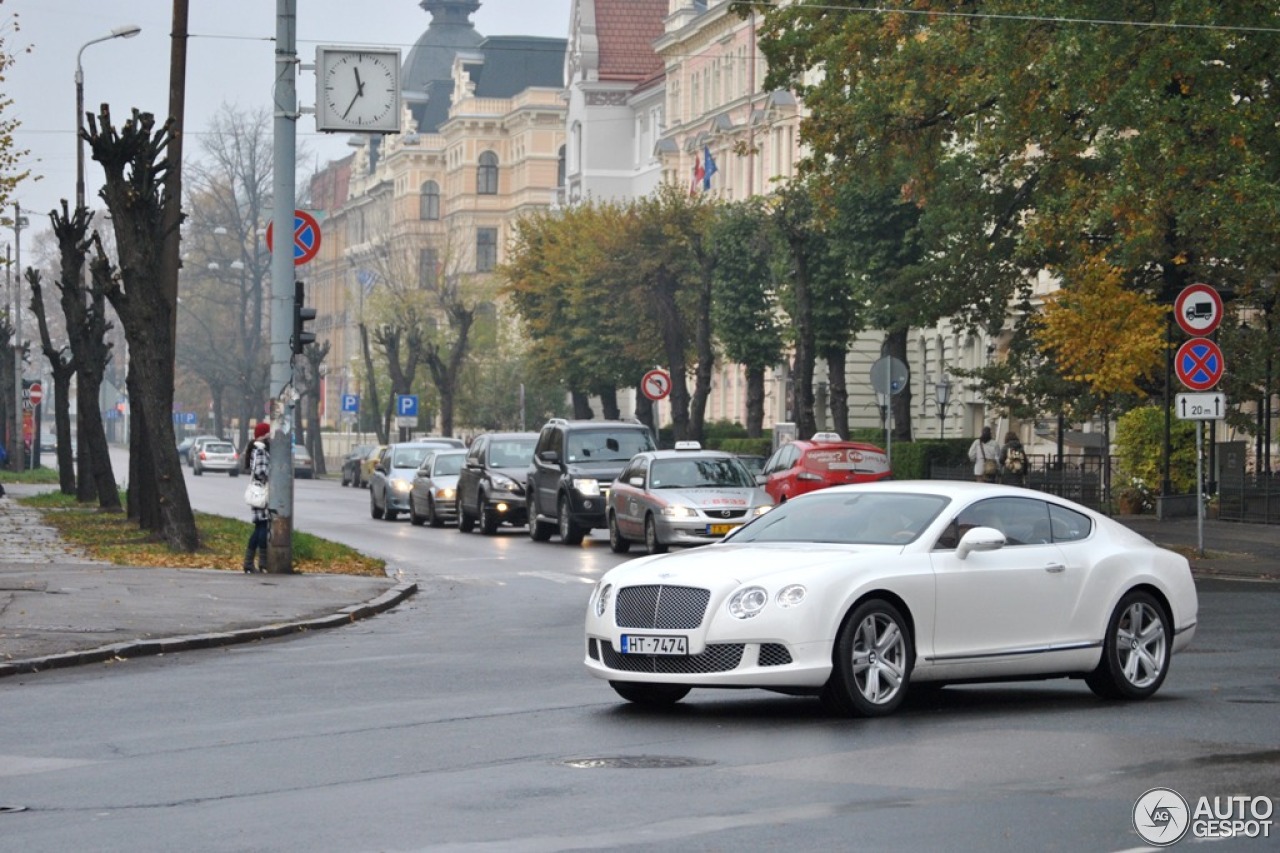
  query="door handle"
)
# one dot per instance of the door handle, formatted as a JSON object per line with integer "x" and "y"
{"x": 1055, "y": 568}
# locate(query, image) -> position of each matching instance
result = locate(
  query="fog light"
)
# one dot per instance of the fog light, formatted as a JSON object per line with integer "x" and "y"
{"x": 501, "y": 506}
{"x": 587, "y": 505}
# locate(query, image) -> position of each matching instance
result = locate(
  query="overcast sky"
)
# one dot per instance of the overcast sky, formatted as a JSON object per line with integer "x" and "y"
{"x": 229, "y": 60}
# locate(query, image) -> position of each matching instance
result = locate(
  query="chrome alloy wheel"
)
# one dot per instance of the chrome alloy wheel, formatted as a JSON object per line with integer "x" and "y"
{"x": 1141, "y": 644}
{"x": 879, "y": 658}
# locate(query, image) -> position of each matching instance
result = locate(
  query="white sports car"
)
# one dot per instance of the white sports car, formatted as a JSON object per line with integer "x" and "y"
{"x": 854, "y": 593}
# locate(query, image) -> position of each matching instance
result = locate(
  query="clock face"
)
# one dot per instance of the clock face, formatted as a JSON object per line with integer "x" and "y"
{"x": 359, "y": 90}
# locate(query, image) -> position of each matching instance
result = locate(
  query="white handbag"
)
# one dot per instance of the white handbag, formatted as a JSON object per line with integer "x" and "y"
{"x": 255, "y": 494}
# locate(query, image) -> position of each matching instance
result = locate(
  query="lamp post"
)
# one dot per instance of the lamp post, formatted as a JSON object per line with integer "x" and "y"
{"x": 126, "y": 31}
{"x": 942, "y": 397}
{"x": 16, "y": 458}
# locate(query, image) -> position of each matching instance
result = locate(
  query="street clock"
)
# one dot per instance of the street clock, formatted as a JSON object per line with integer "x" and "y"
{"x": 357, "y": 89}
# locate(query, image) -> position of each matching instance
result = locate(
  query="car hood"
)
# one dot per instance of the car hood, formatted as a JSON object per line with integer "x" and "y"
{"x": 446, "y": 481}
{"x": 604, "y": 470}
{"x": 729, "y": 564}
{"x": 518, "y": 474}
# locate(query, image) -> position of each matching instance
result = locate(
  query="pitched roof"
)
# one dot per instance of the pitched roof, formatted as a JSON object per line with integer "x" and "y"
{"x": 626, "y": 30}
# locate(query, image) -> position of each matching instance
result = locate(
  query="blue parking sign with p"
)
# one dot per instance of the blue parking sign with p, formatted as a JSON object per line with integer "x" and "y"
{"x": 351, "y": 402}
{"x": 407, "y": 405}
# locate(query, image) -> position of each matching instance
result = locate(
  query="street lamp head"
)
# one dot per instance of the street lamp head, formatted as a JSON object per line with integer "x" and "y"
{"x": 126, "y": 31}
{"x": 942, "y": 391}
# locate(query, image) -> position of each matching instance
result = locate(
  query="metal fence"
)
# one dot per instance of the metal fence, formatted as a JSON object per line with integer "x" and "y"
{"x": 1079, "y": 478}
{"x": 1251, "y": 497}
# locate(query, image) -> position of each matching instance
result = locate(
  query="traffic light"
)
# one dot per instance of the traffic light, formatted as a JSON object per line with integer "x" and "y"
{"x": 301, "y": 316}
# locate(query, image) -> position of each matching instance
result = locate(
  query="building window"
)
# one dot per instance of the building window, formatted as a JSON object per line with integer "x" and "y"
{"x": 429, "y": 201}
{"x": 486, "y": 249}
{"x": 487, "y": 174}
{"x": 428, "y": 268}
{"x": 561, "y": 170}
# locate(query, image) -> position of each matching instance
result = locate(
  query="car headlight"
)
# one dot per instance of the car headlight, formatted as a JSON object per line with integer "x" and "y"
{"x": 679, "y": 512}
{"x": 761, "y": 510}
{"x": 444, "y": 494}
{"x": 590, "y": 488}
{"x": 603, "y": 594}
{"x": 505, "y": 483}
{"x": 748, "y": 602}
{"x": 401, "y": 485}
{"x": 790, "y": 595}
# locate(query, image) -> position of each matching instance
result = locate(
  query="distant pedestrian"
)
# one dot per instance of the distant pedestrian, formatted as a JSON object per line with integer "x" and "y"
{"x": 257, "y": 462}
{"x": 1013, "y": 459}
{"x": 984, "y": 453}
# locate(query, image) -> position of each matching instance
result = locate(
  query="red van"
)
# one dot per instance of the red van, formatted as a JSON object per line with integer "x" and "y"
{"x": 825, "y": 460}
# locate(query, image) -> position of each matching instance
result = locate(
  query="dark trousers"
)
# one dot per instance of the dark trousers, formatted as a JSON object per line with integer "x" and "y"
{"x": 257, "y": 542}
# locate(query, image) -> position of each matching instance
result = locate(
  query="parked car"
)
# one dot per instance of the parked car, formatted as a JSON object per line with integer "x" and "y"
{"x": 491, "y": 484}
{"x": 686, "y": 496}
{"x": 48, "y": 442}
{"x": 215, "y": 456}
{"x": 433, "y": 497}
{"x": 303, "y": 465}
{"x": 574, "y": 462}
{"x": 858, "y": 593}
{"x": 351, "y": 464}
{"x": 825, "y": 460}
{"x": 392, "y": 479}
{"x": 368, "y": 464}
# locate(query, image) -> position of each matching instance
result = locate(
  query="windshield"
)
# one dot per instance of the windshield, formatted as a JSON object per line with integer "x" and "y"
{"x": 408, "y": 457}
{"x": 606, "y": 445}
{"x": 846, "y": 518}
{"x": 697, "y": 473}
{"x": 512, "y": 452}
{"x": 219, "y": 447}
{"x": 447, "y": 466}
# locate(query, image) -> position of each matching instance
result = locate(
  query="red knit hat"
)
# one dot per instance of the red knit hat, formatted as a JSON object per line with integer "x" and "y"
{"x": 261, "y": 429}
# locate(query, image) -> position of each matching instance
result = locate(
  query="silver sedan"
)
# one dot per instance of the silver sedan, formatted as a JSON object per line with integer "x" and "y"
{"x": 686, "y": 496}
{"x": 433, "y": 496}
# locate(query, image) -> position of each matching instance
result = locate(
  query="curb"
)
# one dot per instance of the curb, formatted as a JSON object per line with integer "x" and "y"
{"x": 160, "y": 646}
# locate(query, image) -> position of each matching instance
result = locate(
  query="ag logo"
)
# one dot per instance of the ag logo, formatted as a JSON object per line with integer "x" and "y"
{"x": 1161, "y": 817}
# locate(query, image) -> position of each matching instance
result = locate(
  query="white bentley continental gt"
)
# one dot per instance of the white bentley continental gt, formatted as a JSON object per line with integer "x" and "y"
{"x": 855, "y": 593}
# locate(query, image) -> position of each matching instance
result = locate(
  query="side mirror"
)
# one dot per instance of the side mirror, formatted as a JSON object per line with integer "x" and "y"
{"x": 638, "y": 482}
{"x": 761, "y": 479}
{"x": 980, "y": 539}
{"x": 550, "y": 457}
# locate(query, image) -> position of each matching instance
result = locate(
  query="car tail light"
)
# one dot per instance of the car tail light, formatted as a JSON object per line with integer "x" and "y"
{"x": 809, "y": 475}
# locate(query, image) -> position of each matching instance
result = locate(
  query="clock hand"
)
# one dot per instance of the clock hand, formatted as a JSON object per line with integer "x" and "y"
{"x": 359, "y": 93}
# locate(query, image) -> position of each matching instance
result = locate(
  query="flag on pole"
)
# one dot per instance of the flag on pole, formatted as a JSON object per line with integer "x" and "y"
{"x": 697, "y": 175}
{"x": 709, "y": 168}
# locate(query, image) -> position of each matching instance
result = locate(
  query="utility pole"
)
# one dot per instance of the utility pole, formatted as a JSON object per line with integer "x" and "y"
{"x": 284, "y": 396}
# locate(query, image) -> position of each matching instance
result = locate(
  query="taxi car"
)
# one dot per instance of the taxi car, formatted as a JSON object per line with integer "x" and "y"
{"x": 825, "y": 460}
{"x": 686, "y": 496}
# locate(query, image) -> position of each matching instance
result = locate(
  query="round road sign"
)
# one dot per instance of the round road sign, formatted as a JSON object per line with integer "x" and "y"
{"x": 306, "y": 237}
{"x": 1199, "y": 364}
{"x": 656, "y": 384}
{"x": 33, "y": 394}
{"x": 1198, "y": 309}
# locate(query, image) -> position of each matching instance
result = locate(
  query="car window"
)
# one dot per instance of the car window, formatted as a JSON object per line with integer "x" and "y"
{"x": 408, "y": 457}
{"x": 605, "y": 445}
{"x": 447, "y": 465}
{"x": 1023, "y": 521}
{"x": 847, "y": 518}
{"x": 511, "y": 452}
{"x": 1067, "y": 525}
{"x": 219, "y": 447}
{"x": 706, "y": 472}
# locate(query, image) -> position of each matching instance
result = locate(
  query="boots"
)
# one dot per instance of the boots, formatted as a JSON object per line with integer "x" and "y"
{"x": 248, "y": 560}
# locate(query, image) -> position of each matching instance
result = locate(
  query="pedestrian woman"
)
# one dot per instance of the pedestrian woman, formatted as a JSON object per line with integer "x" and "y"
{"x": 984, "y": 453}
{"x": 257, "y": 462}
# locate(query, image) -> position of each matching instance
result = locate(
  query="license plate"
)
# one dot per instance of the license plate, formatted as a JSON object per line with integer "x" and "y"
{"x": 639, "y": 644}
{"x": 720, "y": 529}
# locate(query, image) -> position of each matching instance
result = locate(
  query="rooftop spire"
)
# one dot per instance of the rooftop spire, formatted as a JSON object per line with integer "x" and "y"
{"x": 457, "y": 12}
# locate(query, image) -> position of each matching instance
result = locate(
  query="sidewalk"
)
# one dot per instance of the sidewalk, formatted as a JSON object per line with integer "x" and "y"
{"x": 60, "y": 608}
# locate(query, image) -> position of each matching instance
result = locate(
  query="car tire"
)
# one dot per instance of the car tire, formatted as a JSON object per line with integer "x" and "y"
{"x": 618, "y": 543}
{"x": 1135, "y": 650}
{"x": 872, "y": 662}
{"x": 234, "y": 472}
{"x": 465, "y": 522}
{"x": 539, "y": 531}
{"x": 197, "y": 471}
{"x": 651, "y": 536}
{"x": 389, "y": 514}
{"x": 650, "y": 694}
{"x": 489, "y": 520}
{"x": 374, "y": 509}
{"x": 570, "y": 533}
{"x": 414, "y": 519}
{"x": 433, "y": 517}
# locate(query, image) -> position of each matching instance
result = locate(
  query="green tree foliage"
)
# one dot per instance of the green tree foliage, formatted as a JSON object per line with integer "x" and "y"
{"x": 1140, "y": 448}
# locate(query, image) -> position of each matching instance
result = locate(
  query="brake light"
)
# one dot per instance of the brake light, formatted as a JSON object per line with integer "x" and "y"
{"x": 808, "y": 475}
{"x": 202, "y": 456}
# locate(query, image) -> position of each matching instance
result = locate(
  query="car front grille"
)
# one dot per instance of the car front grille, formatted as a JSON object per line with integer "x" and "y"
{"x": 724, "y": 513}
{"x": 655, "y": 606}
{"x": 716, "y": 658}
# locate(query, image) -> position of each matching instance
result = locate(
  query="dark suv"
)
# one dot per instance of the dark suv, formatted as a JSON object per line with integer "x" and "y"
{"x": 573, "y": 465}
{"x": 491, "y": 482}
